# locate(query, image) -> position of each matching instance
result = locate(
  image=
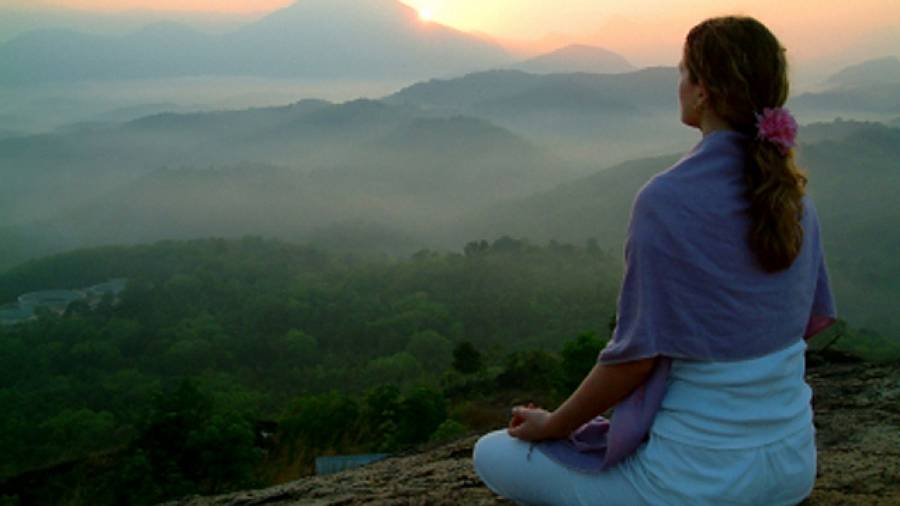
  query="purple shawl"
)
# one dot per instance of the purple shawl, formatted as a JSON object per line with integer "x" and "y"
{"x": 694, "y": 290}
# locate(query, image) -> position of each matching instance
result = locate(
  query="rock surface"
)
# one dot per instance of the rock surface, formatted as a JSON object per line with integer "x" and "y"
{"x": 858, "y": 436}
{"x": 857, "y": 419}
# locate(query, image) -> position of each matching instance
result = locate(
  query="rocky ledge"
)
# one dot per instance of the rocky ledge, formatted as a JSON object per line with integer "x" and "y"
{"x": 857, "y": 408}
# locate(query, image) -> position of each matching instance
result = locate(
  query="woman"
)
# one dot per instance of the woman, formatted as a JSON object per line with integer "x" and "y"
{"x": 724, "y": 277}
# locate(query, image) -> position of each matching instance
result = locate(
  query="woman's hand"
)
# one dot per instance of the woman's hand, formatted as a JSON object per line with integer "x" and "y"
{"x": 516, "y": 419}
{"x": 601, "y": 389}
{"x": 531, "y": 424}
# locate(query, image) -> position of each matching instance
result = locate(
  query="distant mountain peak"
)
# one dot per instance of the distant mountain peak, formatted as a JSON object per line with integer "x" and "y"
{"x": 371, "y": 10}
{"x": 875, "y": 71}
{"x": 577, "y": 58}
{"x": 580, "y": 48}
{"x": 164, "y": 27}
{"x": 168, "y": 31}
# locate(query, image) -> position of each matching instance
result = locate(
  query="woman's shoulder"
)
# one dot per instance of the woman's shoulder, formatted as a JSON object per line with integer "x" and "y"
{"x": 809, "y": 218}
{"x": 655, "y": 193}
{"x": 713, "y": 171}
{"x": 809, "y": 206}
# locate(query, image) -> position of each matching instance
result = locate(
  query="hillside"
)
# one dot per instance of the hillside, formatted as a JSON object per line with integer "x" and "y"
{"x": 875, "y": 71}
{"x": 650, "y": 87}
{"x": 867, "y": 90}
{"x": 584, "y": 116}
{"x": 859, "y": 468}
{"x": 604, "y": 198}
{"x": 878, "y": 101}
{"x": 326, "y": 352}
{"x": 281, "y": 171}
{"x": 577, "y": 58}
{"x": 415, "y": 177}
{"x": 172, "y": 388}
{"x": 853, "y": 179}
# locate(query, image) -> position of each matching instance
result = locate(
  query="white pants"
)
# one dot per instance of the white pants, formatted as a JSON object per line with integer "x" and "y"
{"x": 660, "y": 472}
{"x": 506, "y": 466}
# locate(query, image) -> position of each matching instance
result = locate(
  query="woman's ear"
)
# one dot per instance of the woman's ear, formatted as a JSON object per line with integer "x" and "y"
{"x": 702, "y": 97}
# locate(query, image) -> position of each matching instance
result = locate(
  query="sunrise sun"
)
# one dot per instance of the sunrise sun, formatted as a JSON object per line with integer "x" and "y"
{"x": 425, "y": 14}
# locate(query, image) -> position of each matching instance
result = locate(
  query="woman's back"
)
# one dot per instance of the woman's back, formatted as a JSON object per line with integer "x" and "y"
{"x": 736, "y": 404}
{"x": 692, "y": 288}
{"x": 730, "y": 433}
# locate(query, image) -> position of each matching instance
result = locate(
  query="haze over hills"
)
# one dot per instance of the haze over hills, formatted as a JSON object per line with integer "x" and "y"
{"x": 280, "y": 171}
{"x": 554, "y": 127}
{"x": 648, "y": 88}
{"x": 876, "y": 71}
{"x": 853, "y": 180}
{"x": 28, "y": 16}
{"x": 867, "y": 90}
{"x": 412, "y": 180}
{"x": 880, "y": 101}
{"x": 602, "y": 117}
{"x": 577, "y": 58}
{"x": 312, "y": 38}
{"x": 628, "y": 105}
{"x": 429, "y": 165}
{"x": 312, "y": 49}
{"x": 584, "y": 111}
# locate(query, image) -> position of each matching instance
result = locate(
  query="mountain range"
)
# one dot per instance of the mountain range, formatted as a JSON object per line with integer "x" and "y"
{"x": 310, "y": 39}
{"x": 869, "y": 72}
{"x": 606, "y": 118}
{"x": 287, "y": 171}
{"x": 868, "y": 89}
{"x": 586, "y": 111}
{"x": 436, "y": 163}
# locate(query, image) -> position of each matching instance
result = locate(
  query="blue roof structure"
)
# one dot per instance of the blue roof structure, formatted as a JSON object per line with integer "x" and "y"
{"x": 338, "y": 463}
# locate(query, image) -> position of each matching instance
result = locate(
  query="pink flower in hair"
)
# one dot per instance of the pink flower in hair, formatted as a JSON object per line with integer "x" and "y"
{"x": 777, "y": 126}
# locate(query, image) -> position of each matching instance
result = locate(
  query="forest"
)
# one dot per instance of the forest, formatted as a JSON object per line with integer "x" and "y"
{"x": 216, "y": 342}
{"x": 229, "y": 364}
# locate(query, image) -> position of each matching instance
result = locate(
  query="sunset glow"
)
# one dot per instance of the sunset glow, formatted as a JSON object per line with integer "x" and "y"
{"x": 647, "y": 31}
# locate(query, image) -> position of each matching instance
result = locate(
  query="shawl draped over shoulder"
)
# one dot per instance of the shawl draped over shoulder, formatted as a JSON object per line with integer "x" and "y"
{"x": 693, "y": 289}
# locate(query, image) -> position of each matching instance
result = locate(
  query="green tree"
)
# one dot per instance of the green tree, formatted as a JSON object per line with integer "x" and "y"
{"x": 79, "y": 431}
{"x": 578, "y": 358}
{"x": 534, "y": 370}
{"x": 381, "y": 410}
{"x": 321, "y": 421}
{"x": 191, "y": 448}
{"x": 163, "y": 439}
{"x": 448, "y": 430}
{"x": 9, "y": 500}
{"x": 223, "y": 455}
{"x": 421, "y": 412}
{"x": 397, "y": 369}
{"x": 432, "y": 350}
{"x": 296, "y": 348}
{"x": 466, "y": 358}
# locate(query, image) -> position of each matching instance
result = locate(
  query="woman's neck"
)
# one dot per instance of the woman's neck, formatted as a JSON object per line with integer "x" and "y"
{"x": 711, "y": 122}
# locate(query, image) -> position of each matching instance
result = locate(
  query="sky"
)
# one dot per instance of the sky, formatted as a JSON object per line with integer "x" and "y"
{"x": 645, "y": 31}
